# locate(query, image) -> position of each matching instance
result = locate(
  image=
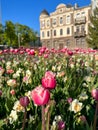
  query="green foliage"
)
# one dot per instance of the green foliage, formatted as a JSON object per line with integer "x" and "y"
{"x": 17, "y": 34}
{"x": 93, "y": 30}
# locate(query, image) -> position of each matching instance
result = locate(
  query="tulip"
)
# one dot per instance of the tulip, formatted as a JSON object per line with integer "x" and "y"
{"x": 12, "y": 92}
{"x": 94, "y": 94}
{"x": 70, "y": 53}
{"x": 45, "y": 55}
{"x": 40, "y": 95}
{"x": 61, "y": 125}
{"x": 32, "y": 52}
{"x": 49, "y": 82}
{"x": 0, "y": 92}
{"x": 49, "y": 74}
{"x": 24, "y": 101}
{"x": 69, "y": 100}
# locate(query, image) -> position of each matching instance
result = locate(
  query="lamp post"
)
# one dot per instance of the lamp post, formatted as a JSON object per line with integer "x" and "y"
{"x": 19, "y": 37}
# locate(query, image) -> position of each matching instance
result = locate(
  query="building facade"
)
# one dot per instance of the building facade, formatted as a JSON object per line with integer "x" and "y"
{"x": 67, "y": 26}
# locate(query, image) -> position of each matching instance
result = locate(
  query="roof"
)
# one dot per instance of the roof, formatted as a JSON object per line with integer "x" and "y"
{"x": 60, "y": 6}
{"x": 44, "y": 12}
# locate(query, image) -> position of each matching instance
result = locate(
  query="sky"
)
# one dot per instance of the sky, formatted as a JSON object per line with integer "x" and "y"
{"x": 27, "y": 12}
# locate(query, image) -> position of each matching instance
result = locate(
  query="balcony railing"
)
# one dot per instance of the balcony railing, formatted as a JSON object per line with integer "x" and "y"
{"x": 80, "y": 34}
{"x": 81, "y": 20}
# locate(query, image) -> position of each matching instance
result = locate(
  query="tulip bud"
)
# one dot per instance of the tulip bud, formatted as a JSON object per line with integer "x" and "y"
{"x": 12, "y": 92}
{"x": 61, "y": 125}
{"x": 0, "y": 92}
{"x": 24, "y": 101}
{"x": 94, "y": 94}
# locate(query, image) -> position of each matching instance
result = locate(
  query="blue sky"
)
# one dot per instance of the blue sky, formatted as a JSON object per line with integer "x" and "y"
{"x": 27, "y": 12}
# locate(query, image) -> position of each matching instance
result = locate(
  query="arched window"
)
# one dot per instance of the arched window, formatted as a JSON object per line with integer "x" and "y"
{"x": 47, "y": 33}
{"x": 54, "y": 21}
{"x": 77, "y": 29}
{"x": 68, "y": 19}
{"x": 48, "y": 23}
{"x": 54, "y": 32}
{"x": 43, "y": 35}
{"x": 61, "y": 31}
{"x": 61, "y": 20}
{"x": 68, "y": 30}
{"x": 42, "y": 24}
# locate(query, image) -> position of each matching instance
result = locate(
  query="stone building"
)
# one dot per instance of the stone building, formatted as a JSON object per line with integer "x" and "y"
{"x": 67, "y": 26}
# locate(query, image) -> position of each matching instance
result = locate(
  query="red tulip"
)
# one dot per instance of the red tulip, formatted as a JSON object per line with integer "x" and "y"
{"x": 94, "y": 94}
{"x": 40, "y": 95}
{"x": 49, "y": 82}
{"x": 24, "y": 101}
{"x": 70, "y": 53}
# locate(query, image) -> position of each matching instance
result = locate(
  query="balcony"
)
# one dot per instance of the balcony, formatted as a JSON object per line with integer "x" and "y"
{"x": 81, "y": 20}
{"x": 80, "y": 34}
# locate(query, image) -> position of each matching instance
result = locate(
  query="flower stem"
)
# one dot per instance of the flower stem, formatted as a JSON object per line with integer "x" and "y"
{"x": 24, "y": 120}
{"x": 95, "y": 117}
{"x": 43, "y": 118}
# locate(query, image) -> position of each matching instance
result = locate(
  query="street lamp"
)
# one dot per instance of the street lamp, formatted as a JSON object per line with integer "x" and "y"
{"x": 19, "y": 38}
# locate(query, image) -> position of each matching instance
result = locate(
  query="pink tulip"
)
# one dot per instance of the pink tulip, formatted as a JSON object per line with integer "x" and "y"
{"x": 32, "y": 52}
{"x": 24, "y": 101}
{"x": 12, "y": 92}
{"x": 40, "y": 95}
{"x": 69, "y": 100}
{"x": 45, "y": 55}
{"x": 49, "y": 74}
{"x": 49, "y": 82}
{"x": 94, "y": 93}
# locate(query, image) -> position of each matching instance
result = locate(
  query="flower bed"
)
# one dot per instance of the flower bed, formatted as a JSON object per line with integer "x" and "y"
{"x": 48, "y": 89}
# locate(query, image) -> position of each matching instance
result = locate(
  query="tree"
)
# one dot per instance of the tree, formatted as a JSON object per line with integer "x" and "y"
{"x": 10, "y": 32}
{"x": 27, "y": 35}
{"x": 92, "y": 38}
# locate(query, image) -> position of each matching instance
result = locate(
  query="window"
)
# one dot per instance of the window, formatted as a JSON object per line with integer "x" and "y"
{"x": 78, "y": 15}
{"x": 61, "y": 46}
{"x": 78, "y": 41}
{"x": 43, "y": 34}
{"x": 82, "y": 28}
{"x": 61, "y": 10}
{"x": 48, "y": 23}
{"x": 54, "y": 32}
{"x": 47, "y": 33}
{"x": 68, "y": 42}
{"x": 83, "y": 14}
{"x": 54, "y": 21}
{"x": 82, "y": 40}
{"x": 61, "y": 20}
{"x": 68, "y": 30}
{"x": 77, "y": 29}
{"x": 61, "y": 31}
{"x": 68, "y": 19}
{"x": 42, "y": 24}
